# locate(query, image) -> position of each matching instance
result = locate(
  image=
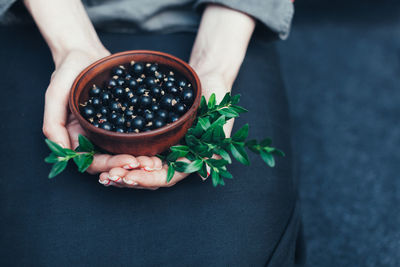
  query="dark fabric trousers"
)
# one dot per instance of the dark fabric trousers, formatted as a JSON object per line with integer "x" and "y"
{"x": 73, "y": 220}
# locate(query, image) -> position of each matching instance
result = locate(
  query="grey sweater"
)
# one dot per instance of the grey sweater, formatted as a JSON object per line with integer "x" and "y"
{"x": 170, "y": 15}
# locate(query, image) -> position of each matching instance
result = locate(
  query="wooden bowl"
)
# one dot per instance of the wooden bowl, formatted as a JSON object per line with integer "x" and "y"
{"x": 137, "y": 144}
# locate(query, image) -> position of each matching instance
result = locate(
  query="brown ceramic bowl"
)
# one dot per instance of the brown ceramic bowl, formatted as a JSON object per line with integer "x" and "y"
{"x": 143, "y": 143}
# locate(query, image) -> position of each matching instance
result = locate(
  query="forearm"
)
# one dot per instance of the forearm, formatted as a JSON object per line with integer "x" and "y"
{"x": 65, "y": 26}
{"x": 221, "y": 42}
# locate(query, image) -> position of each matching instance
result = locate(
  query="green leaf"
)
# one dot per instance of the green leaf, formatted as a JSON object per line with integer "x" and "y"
{"x": 203, "y": 106}
{"x": 69, "y": 152}
{"x": 225, "y": 174}
{"x": 268, "y": 158}
{"x": 266, "y": 142}
{"x": 228, "y": 112}
{"x": 278, "y": 152}
{"x": 241, "y": 134}
{"x": 253, "y": 146}
{"x": 211, "y": 101}
{"x": 218, "y": 134}
{"x": 216, "y": 162}
{"x": 235, "y": 99}
{"x": 219, "y": 122}
{"x": 215, "y": 178}
{"x": 225, "y": 100}
{"x": 239, "y": 154}
{"x": 207, "y": 137}
{"x": 52, "y": 158}
{"x": 58, "y": 167}
{"x": 174, "y": 155}
{"x": 56, "y": 148}
{"x": 180, "y": 148}
{"x": 171, "y": 172}
{"x": 239, "y": 109}
{"x": 84, "y": 144}
{"x": 223, "y": 154}
{"x": 83, "y": 161}
{"x": 203, "y": 171}
{"x": 204, "y": 123}
{"x": 196, "y": 131}
{"x": 194, "y": 166}
{"x": 191, "y": 141}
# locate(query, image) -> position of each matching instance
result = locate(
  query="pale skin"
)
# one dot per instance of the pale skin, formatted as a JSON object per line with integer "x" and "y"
{"x": 217, "y": 55}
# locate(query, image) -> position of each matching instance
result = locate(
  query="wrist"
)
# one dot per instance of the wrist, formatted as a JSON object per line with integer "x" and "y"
{"x": 59, "y": 53}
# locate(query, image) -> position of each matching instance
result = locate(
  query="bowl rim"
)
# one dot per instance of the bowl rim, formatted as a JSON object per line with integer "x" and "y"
{"x": 75, "y": 110}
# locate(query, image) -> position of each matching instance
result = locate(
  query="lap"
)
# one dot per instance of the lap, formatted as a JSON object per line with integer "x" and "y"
{"x": 74, "y": 220}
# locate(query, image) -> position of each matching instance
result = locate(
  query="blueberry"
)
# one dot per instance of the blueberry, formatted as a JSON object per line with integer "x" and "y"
{"x": 187, "y": 96}
{"x": 180, "y": 108}
{"x": 106, "y": 126}
{"x": 128, "y": 113}
{"x": 118, "y": 92}
{"x": 141, "y": 90}
{"x": 96, "y": 102}
{"x": 167, "y": 102}
{"x": 128, "y": 77}
{"x": 130, "y": 130}
{"x": 120, "y": 129}
{"x": 120, "y": 81}
{"x": 113, "y": 117}
{"x": 172, "y": 116}
{"x": 137, "y": 68}
{"x": 129, "y": 94}
{"x": 182, "y": 83}
{"x": 132, "y": 83}
{"x": 96, "y": 123}
{"x": 155, "y": 107}
{"x": 138, "y": 123}
{"x": 162, "y": 114}
{"x": 134, "y": 101}
{"x": 155, "y": 92}
{"x": 148, "y": 115}
{"x": 88, "y": 111}
{"x": 115, "y": 106}
{"x": 145, "y": 101}
{"x": 94, "y": 91}
{"x": 120, "y": 120}
{"x": 171, "y": 78}
{"x": 173, "y": 90}
{"x": 119, "y": 71}
{"x": 111, "y": 83}
{"x": 151, "y": 68}
{"x": 169, "y": 84}
{"x": 104, "y": 111}
{"x": 125, "y": 105}
{"x": 158, "y": 123}
{"x": 105, "y": 97}
{"x": 158, "y": 75}
{"x": 150, "y": 81}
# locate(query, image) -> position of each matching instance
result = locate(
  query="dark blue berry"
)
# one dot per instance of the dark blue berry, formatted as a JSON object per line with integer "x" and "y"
{"x": 115, "y": 106}
{"x": 172, "y": 116}
{"x": 187, "y": 96}
{"x": 173, "y": 90}
{"x": 118, "y": 92}
{"x": 104, "y": 111}
{"x": 169, "y": 84}
{"x": 132, "y": 83}
{"x": 180, "y": 108}
{"x": 150, "y": 81}
{"x": 158, "y": 123}
{"x": 138, "y": 123}
{"x": 138, "y": 68}
{"x": 120, "y": 129}
{"x": 111, "y": 83}
{"x": 145, "y": 101}
{"x": 134, "y": 101}
{"x": 155, "y": 92}
{"x": 155, "y": 107}
{"x": 166, "y": 102}
{"x": 119, "y": 71}
{"x": 94, "y": 91}
{"x": 96, "y": 102}
{"x": 106, "y": 126}
{"x": 141, "y": 90}
{"x": 88, "y": 112}
{"x": 105, "y": 97}
{"x": 182, "y": 83}
{"x": 162, "y": 114}
{"x": 148, "y": 115}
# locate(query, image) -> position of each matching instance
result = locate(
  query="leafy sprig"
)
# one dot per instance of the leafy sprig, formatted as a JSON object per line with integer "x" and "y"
{"x": 203, "y": 140}
{"x": 59, "y": 156}
{"x": 206, "y": 138}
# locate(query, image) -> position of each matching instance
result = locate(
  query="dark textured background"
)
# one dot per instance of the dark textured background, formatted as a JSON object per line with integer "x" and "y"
{"x": 341, "y": 67}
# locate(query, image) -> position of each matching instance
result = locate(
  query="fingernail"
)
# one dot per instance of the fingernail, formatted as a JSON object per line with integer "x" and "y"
{"x": 114, "y": 178}
{"x": 105, "y": 182}
{"x": 131, "y": 166}
{"x": 148, "y": 169}
{"x": 130, "y": 182}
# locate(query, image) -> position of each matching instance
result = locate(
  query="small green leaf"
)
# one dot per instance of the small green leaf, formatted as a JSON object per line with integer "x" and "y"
{"x": 203, "y": 171}
{"x": 171, "y": 172}
{"x": 194, "y": 166}
{"x": 174, "y": 155}
{"x": 215, "y": 178}
{"x": 211, "y": 101}
{"x": 235, "y": 99}
{"x": 180, "y": 148}
{"x": 191, "y": 140}
{"x": 223, "y": 154}
{"x": 225, "y": 100}
{"x": 56, "y": 148}
{"x": 239, "y": 109}
{"x": 84, "y": 144}
{"x": 219, "y": 122}
{"x": 83, "y": 161}
{"x": 278, "y": 152}
{"x": 218, "y": 134}
{"x": 253, "y": 146}
{"x": 239, "y": 154}
{"x": 207, "y": 137}
{"x": 52, "y": 158}
{"x": 228, "y": 112}
{"x": 69, "y": 152}
{"x": 217, "y": 162}
{"x": 266, "y": 142}
{"x": 241, "y": 134}
{"x": 225, "y": 174}
{"x": 203, "y": 106}
{"x": 58, "y": 167}
{"x": 268, "y": 158}
{"x": 204, "y": 122}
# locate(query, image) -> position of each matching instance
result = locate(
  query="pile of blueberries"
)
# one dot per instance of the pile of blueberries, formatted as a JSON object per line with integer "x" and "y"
{"x": 139, "y": 97}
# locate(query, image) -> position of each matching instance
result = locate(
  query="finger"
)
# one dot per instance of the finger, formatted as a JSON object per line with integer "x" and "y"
{"x": 55, "y": 116}
{"x": 157, "y": 163}
{"x": 152, "y": 179}
{"x": 105, "y": 162}
{"x": 146, "y": 163}
{"x": 116, "y": 174}
{"x": 103, "y": 179}
{"x": 74, "y": 130}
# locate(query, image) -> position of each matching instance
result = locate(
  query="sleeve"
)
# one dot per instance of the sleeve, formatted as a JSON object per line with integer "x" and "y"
{"x": 4, "y": 6}
{"x": 276, "y": 15}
